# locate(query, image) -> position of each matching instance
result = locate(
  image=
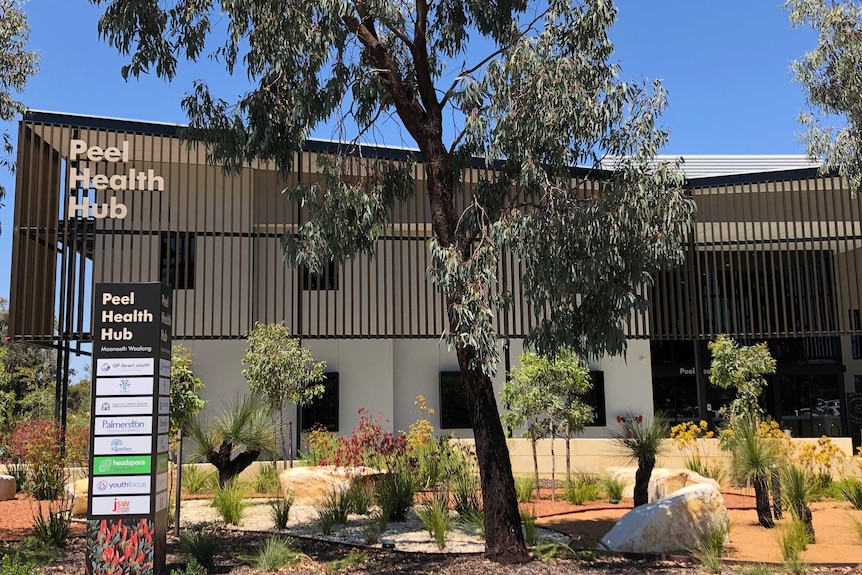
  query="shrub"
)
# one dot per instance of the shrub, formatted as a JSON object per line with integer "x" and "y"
{"x": 582, "y": 487}
{"x": 280, "y": 510}
{"x": 230, "y": 502}
{"x": 191, "y": 568}
{"x": 332, "y": 509}
{"x": 200, "y": 546}
{"x": 274, "y": 554}
{"x": 369, "y": 445}
{"x": 396, "y": 489}
{"x": 14, "y": 565}
{"x": 38, "y": 443}
{"x": 528, "y": 519}
{"x": 53, "y": 529}
{"x": 435, "y": 518}
{"x": 524, "y": 488}
{"x": 198, "y": 480}
{"x": 352, "y": 558}
{"x": 266, "y": 479}
{"x": 18, "y": 470}
{"x": 613, "y": 487}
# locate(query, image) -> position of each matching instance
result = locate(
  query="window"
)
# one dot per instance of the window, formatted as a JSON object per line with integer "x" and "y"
{"x": 595, "y": 397}
{"x": 328, "y": 280}
{"x": 856, "y": 340}
{"x": 322, "y": 412}
{"x": 454, "y": 409}
{"x": 177, "y": 257}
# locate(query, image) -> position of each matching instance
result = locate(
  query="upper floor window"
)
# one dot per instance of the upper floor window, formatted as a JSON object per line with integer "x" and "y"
{"x": 177, "y": 257}
{"x": 327, "y": 280}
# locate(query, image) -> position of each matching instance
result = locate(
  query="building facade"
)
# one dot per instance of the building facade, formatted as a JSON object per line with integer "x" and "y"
{"x": 774, "y": 256}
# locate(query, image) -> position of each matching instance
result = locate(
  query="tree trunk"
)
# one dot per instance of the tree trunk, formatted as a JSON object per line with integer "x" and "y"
{"x": 553, "y": 465}
{"x": 533, "y": 442}
{"x": 229, "y": 468}
{"x": 504, "y": 540}
{"x": 761, "y": 500}
{"x": 568, "y": 454}
{"x": 775, "y": 485}
{"x": 642, "y": 475}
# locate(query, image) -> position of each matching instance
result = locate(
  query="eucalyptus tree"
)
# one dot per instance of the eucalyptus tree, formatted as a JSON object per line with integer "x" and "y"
{"x": 740, "y": 367}
{"x": 830, "y": 77}
{"x": 282, "y": 371}
{"x": 527, "y": 88}
{"x": 17, "y": 65}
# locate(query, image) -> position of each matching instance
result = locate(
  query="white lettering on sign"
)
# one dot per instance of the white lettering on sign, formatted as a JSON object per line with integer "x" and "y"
{"x": 88, "y": 179}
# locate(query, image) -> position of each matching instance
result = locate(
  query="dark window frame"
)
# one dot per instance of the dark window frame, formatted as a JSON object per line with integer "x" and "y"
{"x": 596, "y": 399}
{"x": 455, "y": 416}
{"x": 322, "y": 411}
{"x": 177, "y": 253}
{"x": 326, "y": 281}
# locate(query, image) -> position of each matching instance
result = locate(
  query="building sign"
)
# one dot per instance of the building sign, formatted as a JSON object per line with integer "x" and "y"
{"x": 88, "y": 178}
{"x": 130, "y": 407}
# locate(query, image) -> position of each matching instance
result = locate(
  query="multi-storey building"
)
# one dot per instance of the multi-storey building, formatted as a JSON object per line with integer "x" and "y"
{"x": 775, "y": 256}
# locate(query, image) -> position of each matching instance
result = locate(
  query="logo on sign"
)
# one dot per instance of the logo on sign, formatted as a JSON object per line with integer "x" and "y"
{"x": 104, "y": 466}
{"x": 118, "y": 447}
{"x": 102, "y": 485}
{"x": 106, "y": 406}
{"x": 121, "y": 505}
{"x": 124, "y": 385}
{"x": 106, "y": 368}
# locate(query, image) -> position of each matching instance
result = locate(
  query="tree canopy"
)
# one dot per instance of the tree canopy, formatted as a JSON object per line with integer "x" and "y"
{"x": 527, "y": 88}
{"x": 740, "y": 367}
{"x": 17, "y": 65}
{"x": 832, "y": 81}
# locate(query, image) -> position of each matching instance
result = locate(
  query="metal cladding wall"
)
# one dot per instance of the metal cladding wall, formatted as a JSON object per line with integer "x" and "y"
{"x": 772, "y": 255}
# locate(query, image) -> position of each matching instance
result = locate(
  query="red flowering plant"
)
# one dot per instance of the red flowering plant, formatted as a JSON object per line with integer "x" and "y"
{"x": 119, "y": 547}
{"x": 368, "y": 444}
{"x": 38, "y": 451}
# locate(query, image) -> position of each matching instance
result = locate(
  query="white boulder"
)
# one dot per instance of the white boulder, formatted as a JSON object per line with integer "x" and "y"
{"x": 8, "y": 487}
{"x": 670, "y": 524}
{"x": 662, "y": 482}
{"x": 311, "y": 484}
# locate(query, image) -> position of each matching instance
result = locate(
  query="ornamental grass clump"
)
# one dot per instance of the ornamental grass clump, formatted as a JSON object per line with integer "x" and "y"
{"x": 200, "y": 545}
{"x": 582, "y": 487}
{"x": 528, "y": 521}
{"x": 396, "y": 489}
{"x": 198, "y": 480}
{"x": 851, "y": 490}
{"x": 266, "y": 479}
{"x": 710, "y": 546}
{"x": 524, "y": 488}
{"x": 435, "y": 517}
{"x": 51, "y": 527}
{"x": 230, "y": 502}
{"x": 688, "y": 437}
{"x": 280, "y": 510}
{"x": 614, "y": 487}
{"x": 275, "y": 554}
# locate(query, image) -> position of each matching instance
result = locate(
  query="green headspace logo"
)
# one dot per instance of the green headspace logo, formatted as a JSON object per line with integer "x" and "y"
{"x": 122, "y": 465}
{"x": 161, "y": 463}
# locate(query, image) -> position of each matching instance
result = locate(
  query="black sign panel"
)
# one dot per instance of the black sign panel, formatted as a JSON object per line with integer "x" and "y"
{"x": 127, "y": 508}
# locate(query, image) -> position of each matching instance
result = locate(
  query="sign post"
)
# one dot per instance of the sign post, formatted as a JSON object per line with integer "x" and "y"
{"x": 127, "y": 507}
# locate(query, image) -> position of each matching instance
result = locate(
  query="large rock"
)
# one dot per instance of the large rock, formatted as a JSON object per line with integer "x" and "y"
{"x": 311, "y": 484}
{"x": 8, "y": 487}
{"x": 670, "y": 524}
{"x": 77, "y": 492}
{"x": 662, "y": 482}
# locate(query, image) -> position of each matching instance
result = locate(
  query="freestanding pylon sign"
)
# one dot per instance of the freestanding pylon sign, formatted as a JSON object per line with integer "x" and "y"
{"x": 127, "y": 510}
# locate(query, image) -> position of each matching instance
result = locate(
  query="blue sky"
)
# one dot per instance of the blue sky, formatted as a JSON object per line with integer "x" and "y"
{"x": 726, "y": 66}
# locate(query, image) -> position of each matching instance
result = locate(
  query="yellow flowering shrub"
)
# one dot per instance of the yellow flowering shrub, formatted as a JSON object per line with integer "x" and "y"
{"x": 819, "y": 459}
{"x": 421, "y": 431}
{"x": 686, "y": 435}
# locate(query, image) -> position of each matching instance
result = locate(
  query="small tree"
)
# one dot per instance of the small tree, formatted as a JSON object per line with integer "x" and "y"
{"x": 236, "y": 438}
{"x": 282, "y": 371}
{"x": 544, "y": 396}
{"x": 185, "y": 401}
{"x": 741, "y": 368}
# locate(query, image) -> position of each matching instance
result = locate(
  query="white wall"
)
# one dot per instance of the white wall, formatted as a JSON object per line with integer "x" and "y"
{"x": 386, "y": 375}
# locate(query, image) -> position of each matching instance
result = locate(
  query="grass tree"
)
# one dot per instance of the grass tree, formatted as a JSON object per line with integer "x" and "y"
{"x": 235, "y": 439}
{"x": 752, "y": 459}
{"x": 282, "y": 371}
{"x": 528, "y": 88}
{"x": 643, "y": 440}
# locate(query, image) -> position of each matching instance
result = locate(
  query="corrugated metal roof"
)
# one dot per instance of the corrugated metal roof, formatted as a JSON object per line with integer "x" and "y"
{"x": 702, "y": 166}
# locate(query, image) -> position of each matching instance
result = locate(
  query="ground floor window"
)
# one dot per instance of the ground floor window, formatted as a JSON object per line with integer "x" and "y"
{"x": 322, "y": 413}
{"x": 595, "y": 398}
{"x": 454, "y": 408}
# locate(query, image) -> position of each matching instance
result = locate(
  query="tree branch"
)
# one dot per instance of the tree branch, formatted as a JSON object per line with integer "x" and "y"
{"x": 421, "y": 65}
